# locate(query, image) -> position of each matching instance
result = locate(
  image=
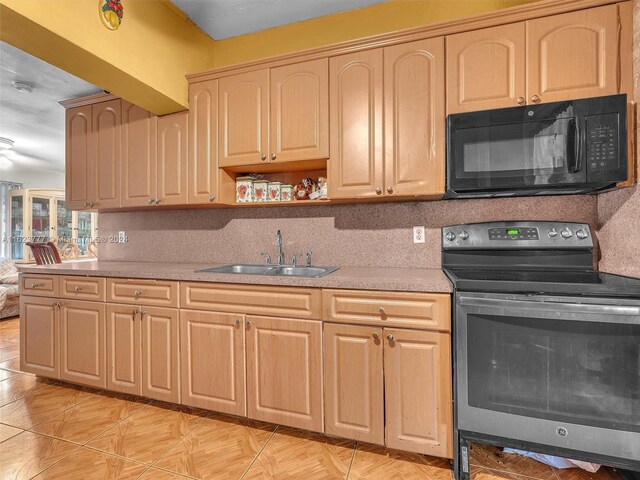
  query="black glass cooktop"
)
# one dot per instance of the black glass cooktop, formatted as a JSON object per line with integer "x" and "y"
{"x": 570, "y": 282}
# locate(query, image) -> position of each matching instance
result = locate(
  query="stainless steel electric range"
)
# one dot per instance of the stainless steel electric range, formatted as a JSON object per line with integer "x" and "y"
{"x": 546, "y": 349}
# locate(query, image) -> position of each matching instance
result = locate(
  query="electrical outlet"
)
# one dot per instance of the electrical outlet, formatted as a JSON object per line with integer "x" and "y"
{"x": 418, "y": 235}
{"x": 122, "y": 237}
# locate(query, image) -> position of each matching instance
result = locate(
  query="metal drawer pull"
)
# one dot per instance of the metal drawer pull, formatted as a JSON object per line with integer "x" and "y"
{"x": 535, "y": 99}
{"x": 391, "y": 338}
{"x": 212, "y": 198}
{"x": 36, "y": 285}
{"x": 137, "y": 293}
{"x": 375, "y": 335}
{"x": 248, "y": 323}
{"x": 77, "y": 289}
{"x": 382, "y": 311}
{"x": 521, "y": 101}
{"x": 237, "y": 322}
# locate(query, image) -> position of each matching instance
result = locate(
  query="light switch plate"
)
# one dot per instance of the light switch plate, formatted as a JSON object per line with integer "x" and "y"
{"x": 418, "y": 235}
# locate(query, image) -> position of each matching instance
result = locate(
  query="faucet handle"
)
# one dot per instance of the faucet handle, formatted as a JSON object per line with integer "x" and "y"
{"x": 308, "y": 258}
{"x": 294, "y": 259}
{"x": 267, "y": 258}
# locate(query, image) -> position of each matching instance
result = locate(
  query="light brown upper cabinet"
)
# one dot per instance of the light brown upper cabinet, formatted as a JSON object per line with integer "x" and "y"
{"x": 278, "y": 114}
{"x": 356, "y": 92}
{"x": 409, "y": 79}
{"x": 171, "y": 169}
{"x": 414, "y": 118}
{"x": 80, "y": 181}
{"x": 486, "y": 69}
{"x": 203, "y": 142}
{"x": 93, "y": 135}
{"x": 138, "y": 155}
{"x": 560, "y": 57}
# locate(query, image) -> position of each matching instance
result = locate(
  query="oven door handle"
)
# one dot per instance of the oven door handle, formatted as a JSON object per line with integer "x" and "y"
{"x": 547, "y": 305}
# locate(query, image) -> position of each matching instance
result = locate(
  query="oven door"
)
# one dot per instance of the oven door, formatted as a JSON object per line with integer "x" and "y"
{"x": 551, "y": 371}
{"x": 506, "y": 150}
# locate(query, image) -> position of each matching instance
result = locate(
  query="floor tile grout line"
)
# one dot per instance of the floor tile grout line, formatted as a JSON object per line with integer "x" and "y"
{"x": 153, "y": 464}
{"x": 260, "y": 452}
{"x": 44, "y": 387}
{"x": 353, "y": 456}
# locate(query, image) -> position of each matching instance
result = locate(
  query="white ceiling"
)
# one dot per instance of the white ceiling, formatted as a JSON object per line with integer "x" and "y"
{"x": 35, "y": 121}
{"x": 229, "y": 18}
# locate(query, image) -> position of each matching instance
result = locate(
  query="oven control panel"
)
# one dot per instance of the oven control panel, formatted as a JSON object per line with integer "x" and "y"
{"x": 517, "y": 235}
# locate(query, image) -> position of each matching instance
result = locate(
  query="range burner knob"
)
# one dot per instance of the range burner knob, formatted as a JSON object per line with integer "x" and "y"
{"x": 451, "y": 236}
{"x": 566, "y": 233}
{"x": 463, "y": 235}
{"x": 553, "y": 232}
{"x": 582, "y": 234}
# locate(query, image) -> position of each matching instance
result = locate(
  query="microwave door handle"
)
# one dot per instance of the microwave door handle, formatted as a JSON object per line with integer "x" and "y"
{"x": 573, "y": 144}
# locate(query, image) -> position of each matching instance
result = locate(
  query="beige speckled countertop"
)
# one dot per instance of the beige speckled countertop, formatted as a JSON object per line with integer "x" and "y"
{"x": 430, "y": 280}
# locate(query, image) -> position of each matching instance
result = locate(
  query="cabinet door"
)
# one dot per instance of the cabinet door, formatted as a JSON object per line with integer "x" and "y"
{"x": 203, "y": 142}
{"x": 39, "y": 336}
{"x": 353, "y": 382}
{"x": 356, "y": 89}
{"x": 573, "y": 55}
{"x": 107, "y": 121}
{"x": 82, "y": 342}
{"x": 212, "y": 360}
{"x": 284, "y": 372}
{"x": 414, "y": 118}
{"x": 172, "y": 159}
{"x": 300, "y": 111}
{"x": 244, "y": 119}
{"x": 123, "y": 349}
{"x": 80, "y": 173}
{"x": 160, "y": 354}
{"x": 419, "y": 410}
{"x": 138, "y": 156}
{"x": 486, "y": 69}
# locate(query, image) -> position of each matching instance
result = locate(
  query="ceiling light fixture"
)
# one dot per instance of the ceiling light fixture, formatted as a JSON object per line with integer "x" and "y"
{"x": 23, "y": 87}
{"x": 6, "y": 143}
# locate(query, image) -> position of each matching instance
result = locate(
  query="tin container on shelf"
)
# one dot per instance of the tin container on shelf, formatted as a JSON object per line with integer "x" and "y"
{"x": 274, "y": 191}
{"x": 286, "y": 193}
{"x": 260, "y": 191}
{"x": 244, "y": 189}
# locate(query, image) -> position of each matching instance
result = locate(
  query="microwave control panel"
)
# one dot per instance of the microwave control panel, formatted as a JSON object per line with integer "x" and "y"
{"x": 602, "y": 142}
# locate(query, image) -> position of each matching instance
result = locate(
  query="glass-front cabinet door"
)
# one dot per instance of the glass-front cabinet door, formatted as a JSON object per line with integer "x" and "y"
{"x": 64, "y": 223}
{"x": 16, "y": 226}
{"x": 40, "y": 219}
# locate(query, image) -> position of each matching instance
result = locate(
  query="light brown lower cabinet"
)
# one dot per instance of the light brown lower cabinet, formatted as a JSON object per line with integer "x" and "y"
{"x": 212, "y": 361}
{"x": 354, "y": 382}
{"x": 82, "y": 339}
{"x": 418, "y": 398}
{"x": 39, "y": 345}
{"x": 143, "y": 351}
{"x": 284, "y": 371}
{"x": 403, "y": 401}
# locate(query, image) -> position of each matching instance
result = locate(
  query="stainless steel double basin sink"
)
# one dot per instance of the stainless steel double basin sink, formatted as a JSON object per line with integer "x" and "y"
{"x": 272, "y": 270}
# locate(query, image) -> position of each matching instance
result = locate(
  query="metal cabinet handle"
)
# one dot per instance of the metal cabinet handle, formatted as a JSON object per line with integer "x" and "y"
{"x": 273, "y": 156}
{"x": 382, "y": 311}
{"x": 248, "y": 323}
{"x": 389, "y": 189}
{"x": 237, "y": 322}
{"x": 77, "y": 289}
{"x": 137, "y": 293}
{"x": 60, "y": 304}
{"x": 151, "y": 201}
{"x": 535, "y": 99}
{"x": 375, "y": 335}
{"x": 378, "y": 191}
{"x": 36, "y": 285}
{"x": 391, "y": 338}
{"x": 133, "y": 315}
{"x": 142, "y": 314}
{"x": 521, "y": 101}
{"x": 212, "y": 198}
{"x": 158, "y": 200}
{"x": 263, "y": 156}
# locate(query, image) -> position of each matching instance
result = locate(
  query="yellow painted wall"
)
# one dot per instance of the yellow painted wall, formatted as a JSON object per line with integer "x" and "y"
{"x": 380, "y": 18}
{"x": 144, "y": 61}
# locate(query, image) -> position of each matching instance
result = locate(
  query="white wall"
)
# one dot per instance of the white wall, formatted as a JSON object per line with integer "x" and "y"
{"x": 31, "y": 178}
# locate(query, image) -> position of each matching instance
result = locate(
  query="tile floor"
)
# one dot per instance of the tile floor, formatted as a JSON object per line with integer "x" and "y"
{"x": 52, "y": 430}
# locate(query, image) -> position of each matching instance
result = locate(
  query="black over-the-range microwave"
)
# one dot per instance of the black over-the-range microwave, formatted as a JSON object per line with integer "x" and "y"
{"x": 555, "y": 148}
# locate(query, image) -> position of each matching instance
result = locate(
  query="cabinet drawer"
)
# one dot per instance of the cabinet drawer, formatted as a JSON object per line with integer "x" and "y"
{"x": 142, "y": 292}
{"x": 293, "y": 302}
{"x": 393, "y": 309}
{"x": 83, "y": 288}
{"x": 40, "y": 285}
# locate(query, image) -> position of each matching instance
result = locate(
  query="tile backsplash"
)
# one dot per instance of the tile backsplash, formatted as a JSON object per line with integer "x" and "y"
{"x": 345, "y": 235}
